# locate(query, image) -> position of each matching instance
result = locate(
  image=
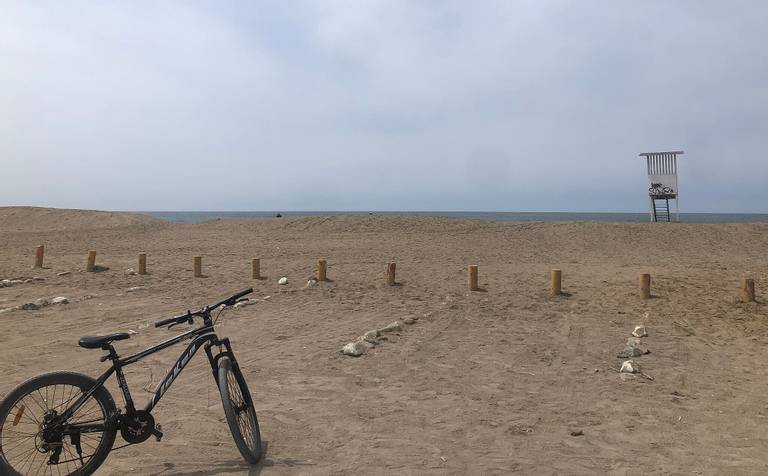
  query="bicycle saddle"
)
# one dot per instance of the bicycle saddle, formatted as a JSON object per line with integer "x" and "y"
{"x": 92, "y": 342}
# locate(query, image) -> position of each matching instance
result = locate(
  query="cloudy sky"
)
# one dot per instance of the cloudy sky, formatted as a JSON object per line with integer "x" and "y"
{"x": 384, "y": 105}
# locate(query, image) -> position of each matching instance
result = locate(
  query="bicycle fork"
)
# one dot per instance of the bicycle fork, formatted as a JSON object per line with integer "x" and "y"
{"x": 214, "y": 359}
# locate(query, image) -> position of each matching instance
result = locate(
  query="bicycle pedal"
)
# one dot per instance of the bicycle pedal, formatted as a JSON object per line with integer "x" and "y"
{"x": 157, "y": 432}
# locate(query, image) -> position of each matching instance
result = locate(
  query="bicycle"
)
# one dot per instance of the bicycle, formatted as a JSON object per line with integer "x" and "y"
{"x": 49, "y": 421}
{"x": 659, "y": 189}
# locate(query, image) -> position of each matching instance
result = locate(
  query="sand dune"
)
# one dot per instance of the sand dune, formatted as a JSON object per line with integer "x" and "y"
{"x": 27, "y": 219}
{"x": 483, "y": 383}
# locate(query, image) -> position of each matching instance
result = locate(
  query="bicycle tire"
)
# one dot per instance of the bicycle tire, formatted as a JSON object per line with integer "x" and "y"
{"x": 24, "y": 395}
{"x": 238, "y": 408}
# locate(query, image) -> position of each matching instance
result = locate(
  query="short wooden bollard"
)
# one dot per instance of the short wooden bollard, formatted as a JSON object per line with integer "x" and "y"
{"x": 39, "y": 253}
{"x": 90, "y": 265}
{"x": 557, "y": 283}
{"x": 198, "y": 265}
{"x": 255, "y": 268}
{"x": 391, "y": 269}
{"x": 472, "y": 277}
{"x": 142, "y": 263}
{"x": 644, "y": 282}
{"x": 322, "y": 270}
{"x": 748, "y": 290}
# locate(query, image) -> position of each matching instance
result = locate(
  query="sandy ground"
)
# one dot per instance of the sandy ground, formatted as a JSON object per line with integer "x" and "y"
{"x": 487, "y": 382}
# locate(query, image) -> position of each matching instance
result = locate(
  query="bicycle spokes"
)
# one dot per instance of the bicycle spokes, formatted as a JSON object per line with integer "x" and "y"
{"x": 36, "y": 441}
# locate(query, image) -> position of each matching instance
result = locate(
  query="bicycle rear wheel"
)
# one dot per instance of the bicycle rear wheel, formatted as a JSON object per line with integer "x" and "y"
{"x": 25, "y": 448}
{"x": 238, "y": 408}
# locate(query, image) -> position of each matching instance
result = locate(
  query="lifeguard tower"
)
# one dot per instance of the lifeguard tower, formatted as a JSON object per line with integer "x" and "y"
{"x": 662, "y": 178}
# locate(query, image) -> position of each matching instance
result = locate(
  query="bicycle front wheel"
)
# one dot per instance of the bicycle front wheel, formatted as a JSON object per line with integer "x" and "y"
{"x": 29, "y": 445}
{"x": 238, "y": 408}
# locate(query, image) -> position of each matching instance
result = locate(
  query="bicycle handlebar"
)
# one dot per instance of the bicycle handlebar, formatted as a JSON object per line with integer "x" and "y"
{"x": 203, "y": 311}
{"x": 231, "y": 300}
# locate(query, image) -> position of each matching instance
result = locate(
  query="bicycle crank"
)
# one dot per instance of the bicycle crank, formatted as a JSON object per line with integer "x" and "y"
{"x": 137, "y": 426}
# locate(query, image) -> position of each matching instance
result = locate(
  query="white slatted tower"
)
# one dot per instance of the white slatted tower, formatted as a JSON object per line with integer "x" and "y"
{"x": 662, "y": 180}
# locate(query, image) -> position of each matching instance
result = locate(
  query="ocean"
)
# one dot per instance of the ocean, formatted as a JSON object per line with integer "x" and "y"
{"x": 194, "y": 217}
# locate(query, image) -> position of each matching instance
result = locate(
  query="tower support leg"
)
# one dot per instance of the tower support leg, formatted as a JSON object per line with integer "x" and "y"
{"x": 652, "y": 208}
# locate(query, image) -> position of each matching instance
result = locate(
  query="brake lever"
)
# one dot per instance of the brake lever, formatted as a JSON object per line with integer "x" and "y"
{"x": 187, "y": 321}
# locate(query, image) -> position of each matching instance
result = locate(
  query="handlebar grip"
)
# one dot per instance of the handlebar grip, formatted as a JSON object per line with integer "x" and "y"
{"x": 241, "y": 294}
{"x": 165, "y": 322}
{"x": 231, "y": 299}
{"x": 172, "y": 320}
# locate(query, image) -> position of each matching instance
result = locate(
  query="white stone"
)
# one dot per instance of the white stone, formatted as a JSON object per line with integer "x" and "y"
{"x": 60, "y": 300}
{"x": 135, "y": 288}
{"x": 355, "y": 349}
{"x": 630, "y": 351}
{"x": 17, "y": 281}
{"x": 247, "y": 302}
{"x": 7, "y": 282}
{"x": 640, "y": 331}
{"x": 311, "y": 283}
{"x": 629, "y": 367}
{"x": 394, "y": 327}
{"x": 130, "y": 272}
{"x": 371, "y": 336}
{"x": 64, "y": 273}
{"x": 282, "y": 280}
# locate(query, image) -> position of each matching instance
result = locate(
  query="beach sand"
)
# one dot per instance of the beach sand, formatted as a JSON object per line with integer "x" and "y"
{"x": 486, "y": 382}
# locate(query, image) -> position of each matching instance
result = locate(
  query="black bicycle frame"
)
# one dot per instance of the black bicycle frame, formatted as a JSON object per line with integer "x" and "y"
{"x": 203, "y": 336}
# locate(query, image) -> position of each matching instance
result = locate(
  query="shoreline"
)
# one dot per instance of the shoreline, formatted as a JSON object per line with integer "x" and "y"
{"x": 194, "y": 216}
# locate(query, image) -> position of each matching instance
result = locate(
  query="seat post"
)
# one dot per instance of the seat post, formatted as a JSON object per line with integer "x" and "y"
{"x": 112, "y": 355}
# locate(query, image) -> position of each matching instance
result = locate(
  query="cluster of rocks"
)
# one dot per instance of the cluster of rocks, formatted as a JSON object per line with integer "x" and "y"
{"x": 7, "y": 283}
{"x": 37, "y": 304}
{"x": 634, "y": 349}
{"x": 374, "y": 337}
{"x": 311, "y": 281}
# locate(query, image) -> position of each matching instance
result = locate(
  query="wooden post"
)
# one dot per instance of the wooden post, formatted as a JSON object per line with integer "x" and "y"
{"x": 322, "y": 270}
{"x": 142, "y": 263}
{"x": 198, "y": 265}
{"x": 255, "y": 268}
{"x": 748, "y": 290}
{"x": 391, "y": 268}
{"x": 39, "y": 252}
{"x": 91, "y": 263}
{"x": 557, "y": 283}
{"x": 472, "y": 277}
{"x": 644, "y": 281}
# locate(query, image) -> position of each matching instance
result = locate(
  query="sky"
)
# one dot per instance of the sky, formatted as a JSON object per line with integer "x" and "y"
{"x": 381, "y": 105}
